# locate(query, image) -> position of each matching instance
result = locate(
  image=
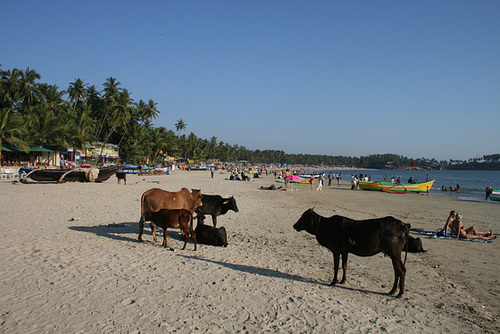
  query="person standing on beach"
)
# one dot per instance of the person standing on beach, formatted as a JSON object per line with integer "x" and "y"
{"x": 311, "y": 181}
{"x": 330, "y": 179}
{"x": 212, "y": 171}
{"x": 320, "y": 182}
{"x": 285, "y": 178}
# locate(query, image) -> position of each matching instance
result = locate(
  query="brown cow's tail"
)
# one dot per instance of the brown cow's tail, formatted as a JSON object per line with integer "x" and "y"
{"x": 142, "y": 205}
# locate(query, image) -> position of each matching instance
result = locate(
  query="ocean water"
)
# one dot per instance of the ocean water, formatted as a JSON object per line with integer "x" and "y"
{"x": 472, "y": 183}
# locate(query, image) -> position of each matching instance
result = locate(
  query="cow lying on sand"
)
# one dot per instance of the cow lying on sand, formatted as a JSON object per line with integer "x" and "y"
{"x": 210, "y": 235}
{"x": 173, "y": 219}
{"x": 155, "y": 199}
{"x": 342, "y": 236}
{"x": 216, "y": 205}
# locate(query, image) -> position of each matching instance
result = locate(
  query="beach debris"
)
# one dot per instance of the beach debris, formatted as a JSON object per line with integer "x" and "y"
{"x": 74, "y": 219}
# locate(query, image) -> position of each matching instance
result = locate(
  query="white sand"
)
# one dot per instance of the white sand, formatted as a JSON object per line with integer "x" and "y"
{"x": 83, "y": 276}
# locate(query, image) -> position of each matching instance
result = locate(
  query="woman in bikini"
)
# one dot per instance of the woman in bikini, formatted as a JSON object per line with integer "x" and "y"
{"x": 470, "y": 233}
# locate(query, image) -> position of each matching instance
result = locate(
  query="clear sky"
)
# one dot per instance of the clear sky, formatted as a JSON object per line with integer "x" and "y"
{"x": 416, "y": 78}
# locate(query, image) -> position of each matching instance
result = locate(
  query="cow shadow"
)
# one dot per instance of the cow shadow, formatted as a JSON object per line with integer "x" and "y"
{"x": 254, "y": 270}
{"x": 122, "y": 231}
{"x": 339, "y": 286}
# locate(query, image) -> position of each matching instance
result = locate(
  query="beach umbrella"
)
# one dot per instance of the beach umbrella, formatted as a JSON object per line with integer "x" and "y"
{"x": 293, "y": 178}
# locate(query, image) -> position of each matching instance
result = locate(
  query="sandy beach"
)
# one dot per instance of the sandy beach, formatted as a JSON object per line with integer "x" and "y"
{"x": 67, "y": 269}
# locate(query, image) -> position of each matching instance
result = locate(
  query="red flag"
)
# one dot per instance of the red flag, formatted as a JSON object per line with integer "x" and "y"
{"x": 413, "y": 164}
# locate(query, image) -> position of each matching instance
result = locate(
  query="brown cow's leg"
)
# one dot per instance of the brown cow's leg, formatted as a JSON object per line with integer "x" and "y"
{"x": 165, "y": 242}
{"x": 186, "y": 237}
{"x": 344, "y": 267}
{"x": 336, "y": 260}
{"x": 193, "y": 233}
{"x": 153, "y": 230}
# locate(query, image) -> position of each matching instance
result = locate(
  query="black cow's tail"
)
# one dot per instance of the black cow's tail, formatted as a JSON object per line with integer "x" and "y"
{"x": 407, "y": 234}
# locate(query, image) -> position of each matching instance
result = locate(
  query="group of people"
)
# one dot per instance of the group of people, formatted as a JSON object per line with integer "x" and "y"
{"x": 457, "y": 189}
{"x": 454, "y": 223}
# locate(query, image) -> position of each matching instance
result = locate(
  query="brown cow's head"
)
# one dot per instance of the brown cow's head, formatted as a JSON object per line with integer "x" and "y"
{"x": 196, "y": 196}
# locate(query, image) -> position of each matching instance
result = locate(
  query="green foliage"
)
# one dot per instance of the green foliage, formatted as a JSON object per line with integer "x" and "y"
{"x": 34, "y": 113}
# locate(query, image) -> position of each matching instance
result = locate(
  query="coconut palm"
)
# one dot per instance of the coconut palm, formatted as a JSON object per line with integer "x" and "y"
{"x": 180, "y": 126}
{"x": 28, "y": 88}
{"x": 12, "y": 130}
{"x": 77, "y": 91}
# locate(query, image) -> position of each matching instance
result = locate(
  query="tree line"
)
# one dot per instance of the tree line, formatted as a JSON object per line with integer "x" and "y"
{"x": 34, "y": 113}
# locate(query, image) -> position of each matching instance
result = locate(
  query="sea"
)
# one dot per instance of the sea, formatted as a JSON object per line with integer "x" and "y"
{"x": 472, "y": 183}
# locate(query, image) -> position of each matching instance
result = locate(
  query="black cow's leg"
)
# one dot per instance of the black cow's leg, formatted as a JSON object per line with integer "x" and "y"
{"x": 401, "y": 279}
{"x": 398, "y": 275}
{"x": 344, "y": 267}
{"x": 336, "y": 260}
{"x": 153, "y": 230}
{"x": 214, "y": 220}
{"x": 192, "y": 232}
{"x": 141, "y": 227}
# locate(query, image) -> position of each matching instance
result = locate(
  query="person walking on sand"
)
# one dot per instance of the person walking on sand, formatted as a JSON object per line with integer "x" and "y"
{"x": 320, "y": 182}
{"x": 311, "y": 181}
{"x": 330, "y": 178}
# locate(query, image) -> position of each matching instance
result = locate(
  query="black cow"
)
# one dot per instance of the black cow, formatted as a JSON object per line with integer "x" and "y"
{"x": 210, "y": 235}
{"x": 121, "y": 176}
{"x": 216, "y": 205}
{"x": 342, "y": 236}
{"x": 414, "y": 245}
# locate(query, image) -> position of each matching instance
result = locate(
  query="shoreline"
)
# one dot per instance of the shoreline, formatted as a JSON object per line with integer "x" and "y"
{"x": 269, "y": 278}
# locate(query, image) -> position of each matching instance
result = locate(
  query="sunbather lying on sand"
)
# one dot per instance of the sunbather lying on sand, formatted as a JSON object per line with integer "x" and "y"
{"x": 470, "y": 233}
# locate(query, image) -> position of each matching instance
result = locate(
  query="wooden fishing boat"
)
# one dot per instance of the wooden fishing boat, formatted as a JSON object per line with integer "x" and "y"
{"x": 395, "y": 187}
{"x": 68, "y": 175}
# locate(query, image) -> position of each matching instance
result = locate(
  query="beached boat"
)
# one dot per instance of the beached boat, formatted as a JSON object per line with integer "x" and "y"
{"x": 395, "y": 187}
{"x": 494, "y": 195}
{"x": 68, "y": 175}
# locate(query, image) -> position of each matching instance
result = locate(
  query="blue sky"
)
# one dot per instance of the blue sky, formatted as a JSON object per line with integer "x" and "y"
{"x": 416, "y": 78}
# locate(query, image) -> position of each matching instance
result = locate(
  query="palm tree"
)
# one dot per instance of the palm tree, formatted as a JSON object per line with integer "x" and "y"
{"x": 9, "y": 88}
{"x": 111, "y": 92}
{"x": 28, "y": 88}
{"x": 12, "y": 130}
{"x": 122, "y": 111}
{"x": 180, "y": 126}
{"x": 77, "y": 91}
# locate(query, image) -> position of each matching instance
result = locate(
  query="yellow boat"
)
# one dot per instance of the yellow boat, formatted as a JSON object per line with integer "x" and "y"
{"x": 397, "y": 187}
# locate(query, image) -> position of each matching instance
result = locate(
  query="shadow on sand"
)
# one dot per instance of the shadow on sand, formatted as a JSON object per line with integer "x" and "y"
{"x": 127, "y": 228}
{"x": 253, "y": 270}
{"x": 121, "y": 231}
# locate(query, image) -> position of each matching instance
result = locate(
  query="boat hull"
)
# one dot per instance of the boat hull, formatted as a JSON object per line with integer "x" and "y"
{"x": 68, "y": 175}
{"x": 396, "y": 187}
{"x": 495, "y": 195}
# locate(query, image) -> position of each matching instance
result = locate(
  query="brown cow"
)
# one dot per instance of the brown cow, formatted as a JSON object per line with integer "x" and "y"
{"x": 174, "y": 219}
{"x": 155, "y": 199}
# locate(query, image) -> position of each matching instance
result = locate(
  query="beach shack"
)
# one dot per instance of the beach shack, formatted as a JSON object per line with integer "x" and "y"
{"x": 35, "y": 156}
